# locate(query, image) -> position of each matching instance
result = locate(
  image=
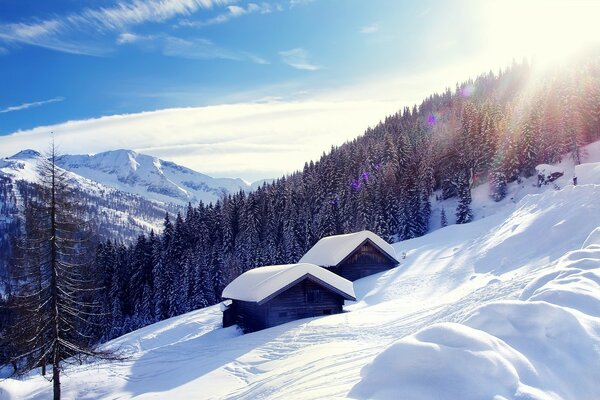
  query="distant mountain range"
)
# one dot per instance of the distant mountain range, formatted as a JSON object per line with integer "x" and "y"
{"x": 151, "y": 177}
{"x": 128, "y": 171}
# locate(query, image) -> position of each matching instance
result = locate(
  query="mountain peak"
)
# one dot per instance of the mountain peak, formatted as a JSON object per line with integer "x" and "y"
{"x": 26, "y": 154}
{"x": 151, "y": 177}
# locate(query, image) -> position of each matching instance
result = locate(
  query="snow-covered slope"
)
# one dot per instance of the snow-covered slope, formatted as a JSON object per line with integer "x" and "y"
{"x": 505, "y": 307}
{"x": 150, "y": 177}
{"x": 483, "y": 206}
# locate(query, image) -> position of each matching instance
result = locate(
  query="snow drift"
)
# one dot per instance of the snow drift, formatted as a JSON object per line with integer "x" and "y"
{"x": 545, "y": 345}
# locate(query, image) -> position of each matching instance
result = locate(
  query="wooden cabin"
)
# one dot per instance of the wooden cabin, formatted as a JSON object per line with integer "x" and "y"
{"x": 268, "y": 296}
{"x": 354, "y": 255}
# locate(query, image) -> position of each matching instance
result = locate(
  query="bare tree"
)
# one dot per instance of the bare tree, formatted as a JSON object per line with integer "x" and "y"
{"x": 52, "y": 285}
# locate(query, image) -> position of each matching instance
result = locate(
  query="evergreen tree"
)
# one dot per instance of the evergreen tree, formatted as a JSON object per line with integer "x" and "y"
{"x": 463, "y": 210}
{"x": 443, "y": 219}
{"x": 50, "y": 279}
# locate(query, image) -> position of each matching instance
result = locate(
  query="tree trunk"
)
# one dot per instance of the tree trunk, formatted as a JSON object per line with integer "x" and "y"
{"x": 56, "y": 377}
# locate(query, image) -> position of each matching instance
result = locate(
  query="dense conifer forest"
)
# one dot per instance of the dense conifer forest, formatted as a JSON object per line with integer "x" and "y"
{"x": 495, "y": 128}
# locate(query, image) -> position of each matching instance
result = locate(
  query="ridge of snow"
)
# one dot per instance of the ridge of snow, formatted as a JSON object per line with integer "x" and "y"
{"x": 25, "y": 155}
{"x": 331, "y": 250}
{"x": 259, "y": 283}
{"x": 150, "y": 177}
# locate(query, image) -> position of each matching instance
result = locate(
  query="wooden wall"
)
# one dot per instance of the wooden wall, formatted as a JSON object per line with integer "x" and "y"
{"x": 303, "y": 300}
{"x": 365, "y": 261}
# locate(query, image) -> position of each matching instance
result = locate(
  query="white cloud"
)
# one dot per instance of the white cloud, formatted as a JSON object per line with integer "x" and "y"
{"x": 246, "y": 140}
{"x": 127, "y": 37}
{"x": 194, "y": 48}
{"x": 251, "y": 140}
{"x": 233, "y": 11}
{"x": 25, "y": 106}
{"x": 294, "y": 3}
{"x": 372, "y": 28}
{"x": 298, "y": 58}
{"x": 53, "y": 33}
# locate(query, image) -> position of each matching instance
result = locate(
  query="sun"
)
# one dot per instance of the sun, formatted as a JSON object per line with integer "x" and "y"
{"x": 547, "y": 31}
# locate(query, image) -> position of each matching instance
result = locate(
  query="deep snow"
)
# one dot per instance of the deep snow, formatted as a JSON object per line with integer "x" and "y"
{"x": 504, "y": 307}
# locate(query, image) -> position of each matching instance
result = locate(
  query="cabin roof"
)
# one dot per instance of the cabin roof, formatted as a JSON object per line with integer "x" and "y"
{"x": 332, "y": 250}
{"x": 261, "y": 283}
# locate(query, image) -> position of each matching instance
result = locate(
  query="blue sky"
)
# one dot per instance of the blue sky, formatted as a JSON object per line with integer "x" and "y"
{"x": 79, "y": 60}
{"x": 91, "y": 58}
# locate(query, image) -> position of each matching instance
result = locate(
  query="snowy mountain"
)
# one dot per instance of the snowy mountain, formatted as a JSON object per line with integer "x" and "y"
{"x": 120, "y": 215}
{"x": 150, "y": 177}
{"x": 507, "y": 306}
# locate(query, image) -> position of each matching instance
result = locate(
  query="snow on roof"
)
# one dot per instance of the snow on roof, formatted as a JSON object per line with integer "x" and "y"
{"x": 330, "y": 251}
{"x": 224, "y": 305}
{"x": 588, "y": 174}
{"x": 259, "y": 283}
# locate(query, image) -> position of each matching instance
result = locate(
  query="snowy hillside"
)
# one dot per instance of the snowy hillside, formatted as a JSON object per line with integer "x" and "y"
{"x": 121, "y": 215}
{"x": 507, "y": 306}
{"x": 150, "y": 177}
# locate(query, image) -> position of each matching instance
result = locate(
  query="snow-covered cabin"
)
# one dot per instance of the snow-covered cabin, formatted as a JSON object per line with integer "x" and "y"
{"x": 354, "y": 255}
{"x": 267, "y": 296}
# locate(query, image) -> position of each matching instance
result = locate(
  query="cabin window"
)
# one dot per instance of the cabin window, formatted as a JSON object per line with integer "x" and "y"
{"x": 313, "y": 296}
{"x": 326, "y": 312}
{"x": 283, "y": 314}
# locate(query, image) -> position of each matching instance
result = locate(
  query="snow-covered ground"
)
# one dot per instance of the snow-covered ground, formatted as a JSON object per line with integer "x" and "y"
{"x": 505, "y": 307}
{"x": 483, "y": 206}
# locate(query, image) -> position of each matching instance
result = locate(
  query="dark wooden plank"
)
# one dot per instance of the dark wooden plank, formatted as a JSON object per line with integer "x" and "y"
{"x": 307, "y": 298}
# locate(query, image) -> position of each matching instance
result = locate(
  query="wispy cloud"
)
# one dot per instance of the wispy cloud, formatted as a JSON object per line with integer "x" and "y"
{"x": 294, "y": 3}
{"x": 55, "y": 33}
{"x": 226, "y": 139}
{"x": 245, "y": 140}
{"x": 372, "y": 28}
{"x": 194, "y": 48}
{"x": 25, "y": 106}
{"x": 298, "y": 58}
{"x": 233, "y": 11}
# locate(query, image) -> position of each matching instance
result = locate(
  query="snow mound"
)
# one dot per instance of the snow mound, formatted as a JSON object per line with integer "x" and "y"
{"x": 446, "y": 361}
{"x": 588, "y": 174}
{"x": 533, "y": 348}
{"x": 332, "y": 250}
{"x": 562, "y": 344}
{"x": 259, "y": 283}
{"x": 574, "y": 283}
